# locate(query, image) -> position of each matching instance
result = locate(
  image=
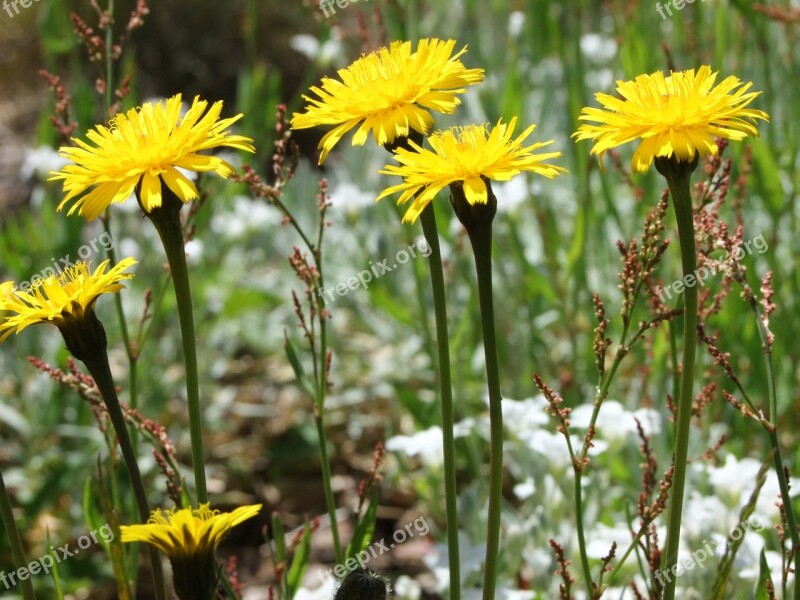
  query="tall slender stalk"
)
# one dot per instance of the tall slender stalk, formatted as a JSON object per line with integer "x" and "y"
{"x": 319, "y": 356}
{"x": 166, "y": 220}
{"x": 678, "y": 176}
{"x": 17, "y": 552}
{"x": 772, "y": 431}
{"x": 100, "y": 370}
{"x": 429, "y": 228}
{"x": 322, "y": 373}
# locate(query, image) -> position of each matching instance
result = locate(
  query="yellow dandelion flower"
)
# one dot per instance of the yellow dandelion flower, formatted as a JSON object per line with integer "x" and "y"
{"x": 189, "y": 538}
{"x": 187, "y": 532}
{"x": 465, "y": 155}
{"x": 62, "y": 299}
{"x": 677, "y": 116}
{"x": 389, "y": 92}
{"x": 144, "y": 147}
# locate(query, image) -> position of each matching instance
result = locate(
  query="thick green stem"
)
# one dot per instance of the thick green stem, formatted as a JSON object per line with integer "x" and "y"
{"x": 99, "y": 369}
{"x": 166, "y": 219}
{"x": 678, "y": 177}
{"x": 428, "y": 219}
{"x": 17, "y": 552}
{"x": 477, "y": 220}
{"x": 481, "y": 237}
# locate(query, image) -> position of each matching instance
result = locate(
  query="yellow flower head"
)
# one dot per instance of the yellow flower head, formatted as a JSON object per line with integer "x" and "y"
{"x": 187, "y": 532}
{"x": 61, "y": 299}
{"x": 189, "y": 538}
{"x": 144, "y": 147}
{"x": 674, "y": 116}
{"x": 389, "y": 92}
{"x": 465, "y": 155}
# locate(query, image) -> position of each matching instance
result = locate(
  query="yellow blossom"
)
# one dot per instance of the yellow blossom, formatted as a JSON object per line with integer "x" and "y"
{"x": 61, "y": 299}
{"x": 189, "y": 538}
{"x": 389, "y": 92}
{"x": 676, "y": 116}
{"x": 143, "y": 148}
{"x": 465, "y": 155}
{"x": 187, "y": 531}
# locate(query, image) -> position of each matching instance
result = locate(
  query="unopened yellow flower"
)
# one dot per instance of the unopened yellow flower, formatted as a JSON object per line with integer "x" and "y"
{"x": 674, "y": 116}
{"x": 465, "y": 155}
{"x": 144, "y": 147}
{"x": 189, "y": 538}
{"x": 62, "y": 299}
{"x": 389, "y": 92}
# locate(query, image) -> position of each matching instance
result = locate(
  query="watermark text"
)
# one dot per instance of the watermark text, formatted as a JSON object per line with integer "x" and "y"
{"x": 700, "y": 275}
{"x": 376, "y": 270}
{"x": 325, "y": 5}
{"x": 699, "y": 557}
{"x": 418, "y": 526}
{"x": 668, "y": 6}
{"x": 44, "y": 563}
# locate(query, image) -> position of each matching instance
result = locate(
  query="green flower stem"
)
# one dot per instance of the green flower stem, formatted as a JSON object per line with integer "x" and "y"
{"x": 321, "y": 381}
{"x": 482, "y": 248}
{"x": 167, "y": 222}
{"x": 17, "y": 552}
{"x": 99, "y": 369}
{"x": 428, "y": 219}
{"x": 330, "y": 501}
{"x": 477, "y": 220}
{"x": 678, "y": 177}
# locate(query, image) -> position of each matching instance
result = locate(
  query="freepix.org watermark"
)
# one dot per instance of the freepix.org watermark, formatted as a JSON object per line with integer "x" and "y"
{"x": 699, "y": 557}
{"x": 102, "y": 242}
{"x": 9, "y": 4}
{"x": 668, "y": 6}
{"x": 43, "y": 564}
{"x": 376, "y": 270}
{"x": 700, "y": 275}
{"x": 418, "y": 526}
{"x": 324, "y": 5}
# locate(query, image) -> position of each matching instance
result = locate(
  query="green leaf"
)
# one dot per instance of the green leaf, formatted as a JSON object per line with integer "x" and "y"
{"x": 763, "y": 577}
{"x": 299, "y": 564}
{"x": 297, "y": 366}
{"x": 279, "y": 535}
{"x": 54, "y": 568}
{"x": 364, "y": 529}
